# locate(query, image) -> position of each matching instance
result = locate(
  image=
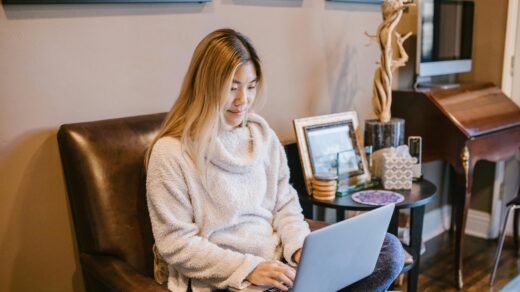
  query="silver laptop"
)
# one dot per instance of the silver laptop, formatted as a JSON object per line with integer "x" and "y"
{"x": 340, "y": 254}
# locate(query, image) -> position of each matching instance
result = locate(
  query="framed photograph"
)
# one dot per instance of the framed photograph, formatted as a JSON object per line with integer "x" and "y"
{"x": 332, "y": 144}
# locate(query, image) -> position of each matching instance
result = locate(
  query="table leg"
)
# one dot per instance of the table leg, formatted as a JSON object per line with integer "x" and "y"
{"x": 340, "y": 215}
{"x": 460, "y": 226}
{"x": 462, "y": 215}
{"x": 307, "y": 210}
{"x": 393, "y": 228}
{"x": 454, "y": 188}
{"x": 320, "y": 216}
{"x": 416, "y": 229}
{"x": 394, "y": 223}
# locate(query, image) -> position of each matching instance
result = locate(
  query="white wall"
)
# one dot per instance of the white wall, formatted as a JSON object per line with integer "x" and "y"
{"x": 61, "y": 64}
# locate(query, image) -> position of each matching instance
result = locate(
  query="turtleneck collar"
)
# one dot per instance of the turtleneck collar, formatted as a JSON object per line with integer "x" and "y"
{"x": 238, "y": 150}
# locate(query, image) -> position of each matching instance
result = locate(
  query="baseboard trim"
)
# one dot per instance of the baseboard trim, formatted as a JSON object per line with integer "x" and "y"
{"x": 438, "y": 220}
{"x": 434, "y": 222}
{"x": 478, "y": 224}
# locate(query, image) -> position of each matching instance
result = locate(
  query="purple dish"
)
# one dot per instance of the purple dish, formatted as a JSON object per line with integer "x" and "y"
{"x": 377, "y": 197}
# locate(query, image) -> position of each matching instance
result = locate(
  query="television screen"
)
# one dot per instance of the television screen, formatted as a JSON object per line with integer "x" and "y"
{"x": 446, "y": 31}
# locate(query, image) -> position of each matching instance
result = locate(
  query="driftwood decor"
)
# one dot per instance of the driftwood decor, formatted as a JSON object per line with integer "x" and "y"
{"x": 392, "y": 11}
{"x": 386, "y": 131}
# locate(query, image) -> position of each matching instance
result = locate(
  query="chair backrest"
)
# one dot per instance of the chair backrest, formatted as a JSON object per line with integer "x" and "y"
{"x": 293, "y": 160}
{"x": 103, "y": 164}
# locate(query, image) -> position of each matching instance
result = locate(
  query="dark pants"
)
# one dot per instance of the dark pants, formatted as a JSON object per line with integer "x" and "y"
{"x": 388, "y": 267}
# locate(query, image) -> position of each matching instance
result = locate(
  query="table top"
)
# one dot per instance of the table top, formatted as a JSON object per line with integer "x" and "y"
{"x": 422, "y": 193}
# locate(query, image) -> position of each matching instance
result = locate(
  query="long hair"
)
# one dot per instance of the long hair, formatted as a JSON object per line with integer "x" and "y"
{"x": 197, "y": 114}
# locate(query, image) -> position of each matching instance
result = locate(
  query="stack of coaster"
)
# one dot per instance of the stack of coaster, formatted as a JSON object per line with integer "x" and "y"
{"x": 324, "y": 186}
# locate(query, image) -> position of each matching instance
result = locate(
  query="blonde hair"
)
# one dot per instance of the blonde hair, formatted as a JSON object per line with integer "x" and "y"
{"x": 196, "y": 116}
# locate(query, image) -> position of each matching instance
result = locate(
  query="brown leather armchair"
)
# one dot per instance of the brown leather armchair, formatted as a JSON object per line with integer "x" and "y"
{"x": 103, "y": 164}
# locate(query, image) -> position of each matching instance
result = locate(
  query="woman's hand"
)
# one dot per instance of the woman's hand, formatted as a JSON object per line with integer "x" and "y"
{"x": 273, "y": 273}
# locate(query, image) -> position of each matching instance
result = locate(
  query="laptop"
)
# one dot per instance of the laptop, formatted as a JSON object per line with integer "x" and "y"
{"x": 340, "y": 254}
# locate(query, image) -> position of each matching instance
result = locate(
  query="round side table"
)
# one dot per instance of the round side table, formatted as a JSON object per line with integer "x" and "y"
{"x": 422, "y": 193}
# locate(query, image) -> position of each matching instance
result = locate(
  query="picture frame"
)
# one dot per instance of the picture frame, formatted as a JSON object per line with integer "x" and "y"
{"x": 332, "y": 144}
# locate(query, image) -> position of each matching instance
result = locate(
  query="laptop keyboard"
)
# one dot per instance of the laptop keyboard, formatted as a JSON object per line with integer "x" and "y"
{"x": 274, "y": 289}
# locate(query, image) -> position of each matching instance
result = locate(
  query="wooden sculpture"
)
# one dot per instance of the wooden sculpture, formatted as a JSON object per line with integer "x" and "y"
{"x": 392, "y": 11}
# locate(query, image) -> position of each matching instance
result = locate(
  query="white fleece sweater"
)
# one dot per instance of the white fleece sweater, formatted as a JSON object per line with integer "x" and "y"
{"x": 248, "y": 212}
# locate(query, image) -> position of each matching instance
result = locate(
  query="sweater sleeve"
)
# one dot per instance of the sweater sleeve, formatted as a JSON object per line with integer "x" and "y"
{"x": 176, "y": 234}
{"x": 288, "y": 218}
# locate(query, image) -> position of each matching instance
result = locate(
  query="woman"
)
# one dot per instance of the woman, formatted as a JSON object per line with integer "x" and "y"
{"x": 222, "y": 210}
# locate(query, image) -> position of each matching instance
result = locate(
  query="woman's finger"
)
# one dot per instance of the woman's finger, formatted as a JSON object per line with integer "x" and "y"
{"x": 286, "y": 270}
{"x": 285, "y": 280}
{"x": 282, "y": 274}
{"x": 278, "y": 284}
{"x": 274, "y": 273}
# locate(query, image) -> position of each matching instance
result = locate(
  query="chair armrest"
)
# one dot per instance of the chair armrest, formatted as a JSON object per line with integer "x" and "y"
{"x": 117, "y": 275}
{"x": 315, "y": 225}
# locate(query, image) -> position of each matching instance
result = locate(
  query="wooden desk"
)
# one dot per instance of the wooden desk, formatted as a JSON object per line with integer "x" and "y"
{"x": 461, "y": 126}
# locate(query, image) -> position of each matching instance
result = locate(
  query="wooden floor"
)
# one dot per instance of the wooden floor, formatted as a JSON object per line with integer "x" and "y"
{"x": 438, "y": 261}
